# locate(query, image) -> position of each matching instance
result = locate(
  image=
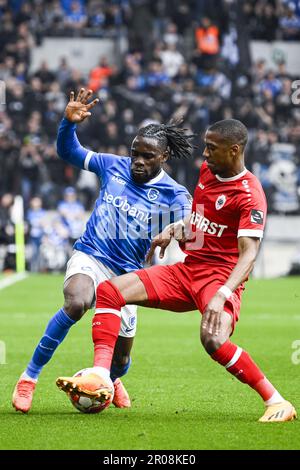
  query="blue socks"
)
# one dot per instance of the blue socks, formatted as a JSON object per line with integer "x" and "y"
{"x": 116, "y": 372}
{"x": 55, "y": 333}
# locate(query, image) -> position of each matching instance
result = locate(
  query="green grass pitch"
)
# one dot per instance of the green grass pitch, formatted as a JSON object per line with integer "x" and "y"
{"x": 181, "y": 399}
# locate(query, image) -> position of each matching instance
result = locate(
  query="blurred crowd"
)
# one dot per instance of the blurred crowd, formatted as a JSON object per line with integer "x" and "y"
{"x": 184, "y": 58}
{"x": 49, "y": 234}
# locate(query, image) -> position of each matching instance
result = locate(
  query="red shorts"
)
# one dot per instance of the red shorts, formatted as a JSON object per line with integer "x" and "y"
{"x": 183, "y": 287}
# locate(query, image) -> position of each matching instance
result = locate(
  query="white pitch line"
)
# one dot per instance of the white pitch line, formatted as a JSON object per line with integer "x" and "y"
{"x": 12, "y": 280}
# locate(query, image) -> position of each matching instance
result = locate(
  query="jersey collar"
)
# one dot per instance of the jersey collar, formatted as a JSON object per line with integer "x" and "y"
{"x": 233, "y": 178}
{"x": 157, "y": 178}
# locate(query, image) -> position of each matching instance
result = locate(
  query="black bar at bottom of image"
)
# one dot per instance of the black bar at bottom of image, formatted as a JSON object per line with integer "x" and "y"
{"x": 138, "y": 458}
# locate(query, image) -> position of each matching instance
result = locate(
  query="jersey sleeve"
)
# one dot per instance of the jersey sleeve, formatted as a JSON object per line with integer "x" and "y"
{"x": 99, "y": 162}
{"x": 70, "y": 150}
{"x": 182, "y": 205}
{"x": 253, "y": 215}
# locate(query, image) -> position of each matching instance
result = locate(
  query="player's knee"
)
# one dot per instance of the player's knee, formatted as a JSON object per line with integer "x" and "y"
{"x": 211, "y": 343}
{"x": 108, "y": 295}
{"x": 75, "y": 307}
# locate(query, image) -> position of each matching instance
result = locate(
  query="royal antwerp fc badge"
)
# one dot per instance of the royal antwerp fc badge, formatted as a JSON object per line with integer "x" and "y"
{"x": 220, "y": 202}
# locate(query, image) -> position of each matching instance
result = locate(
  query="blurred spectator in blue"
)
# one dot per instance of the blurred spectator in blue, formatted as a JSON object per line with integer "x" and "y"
{"x": 271, "y": 84}
{"x": 55, "y": 248}
{"x": 113, "y": 17}
{"x": 96, "y": 14}
{"x": 16, "y": 5}
{"x": 36, "y": 216}
{"x": 72, "y": 213}
{"x": 76, "y": 18}
{"x": 156, "y": 74}
{"x": 214, "y": 82}
{"x": 290, "y": 23}
{"x": 67, "y": 5}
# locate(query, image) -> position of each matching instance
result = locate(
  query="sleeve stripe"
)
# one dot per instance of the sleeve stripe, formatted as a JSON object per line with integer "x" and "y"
{"x": 250, "y": 233}
{"x": 87, "y": 159}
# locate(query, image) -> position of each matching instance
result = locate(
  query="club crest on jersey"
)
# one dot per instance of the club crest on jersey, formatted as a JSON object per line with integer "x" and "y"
{"x": 257, "y": 217}
{"x": 152, "y": 194}
{"x": 220, "y": 202}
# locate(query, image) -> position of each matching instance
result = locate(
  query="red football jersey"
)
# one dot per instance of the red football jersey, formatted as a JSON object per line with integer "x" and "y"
{"x": 223, "y": 210}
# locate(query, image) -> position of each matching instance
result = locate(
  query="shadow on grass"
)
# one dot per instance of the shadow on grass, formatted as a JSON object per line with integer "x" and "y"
{"x": 175, "y": 416}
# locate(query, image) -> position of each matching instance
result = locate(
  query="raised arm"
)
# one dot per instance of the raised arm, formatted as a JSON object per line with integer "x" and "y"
{"x": 68, "y": 145}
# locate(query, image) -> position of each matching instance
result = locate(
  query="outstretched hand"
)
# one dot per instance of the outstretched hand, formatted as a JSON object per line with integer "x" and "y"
{"x": 77, "y": 110}
{"x": 162, "y": 240}
{"x": 211, "y": 320}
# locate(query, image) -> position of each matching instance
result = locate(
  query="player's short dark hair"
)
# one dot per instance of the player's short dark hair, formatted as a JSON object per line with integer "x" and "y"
{"x": 170, "y": 137}
{"x": 232, "y": 130}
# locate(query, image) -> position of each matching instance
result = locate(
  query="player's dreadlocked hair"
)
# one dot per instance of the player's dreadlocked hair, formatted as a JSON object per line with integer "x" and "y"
{"x": 171, "y": 137}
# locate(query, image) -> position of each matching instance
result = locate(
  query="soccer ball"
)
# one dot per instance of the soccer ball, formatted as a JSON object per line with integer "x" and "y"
{"x": 86, "y": 404}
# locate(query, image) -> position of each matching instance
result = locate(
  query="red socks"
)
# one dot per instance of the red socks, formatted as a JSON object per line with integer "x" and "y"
{"x": 240, "y": 364}
{"x": 106, "y": 323}
{"x": 106, "y": 326}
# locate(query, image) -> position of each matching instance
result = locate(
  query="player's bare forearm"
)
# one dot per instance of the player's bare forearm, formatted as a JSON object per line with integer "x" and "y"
{"x": 187, "y": 233}
{"x": 248, "y": 249}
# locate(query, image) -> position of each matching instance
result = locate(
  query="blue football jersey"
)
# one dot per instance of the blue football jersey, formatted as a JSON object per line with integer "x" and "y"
{"x": 127, "y": 215}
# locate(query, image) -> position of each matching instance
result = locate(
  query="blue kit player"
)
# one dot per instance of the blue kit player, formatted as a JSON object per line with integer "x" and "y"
{"x": 137, "y": 200}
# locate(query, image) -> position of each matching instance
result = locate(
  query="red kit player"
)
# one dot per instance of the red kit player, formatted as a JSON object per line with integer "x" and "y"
{"x": 221, "y": 238}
